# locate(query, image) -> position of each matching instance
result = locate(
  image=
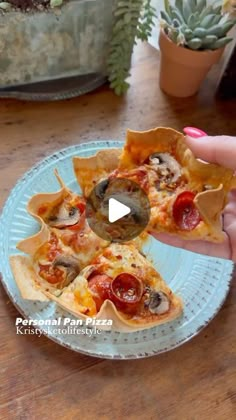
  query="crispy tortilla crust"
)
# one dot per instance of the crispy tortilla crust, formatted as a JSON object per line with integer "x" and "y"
{"x": 53, "y": 199}
{"x": 210, "y": 203}
{"x": 108, "y": 309}
{"x": 31, "y": 244}
{"x": 120, "y": 324}
{"x": 26, "y": 278}
{"x": 90, "y": 170}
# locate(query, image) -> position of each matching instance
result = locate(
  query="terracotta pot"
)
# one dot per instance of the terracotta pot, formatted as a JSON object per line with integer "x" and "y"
{"x": 183, "y": 70}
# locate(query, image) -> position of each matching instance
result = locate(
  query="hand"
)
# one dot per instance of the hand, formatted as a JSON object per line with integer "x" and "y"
{"x": 221, "y": 150}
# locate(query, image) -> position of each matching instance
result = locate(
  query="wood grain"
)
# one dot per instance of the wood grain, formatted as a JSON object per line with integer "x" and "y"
{"x": 41, "y": 380}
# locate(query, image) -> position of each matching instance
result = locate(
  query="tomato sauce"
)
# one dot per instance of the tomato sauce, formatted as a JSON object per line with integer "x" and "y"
{"x": 51, "y": 274}
{"x": 42, "y": 210}
{"x": 53, "y": 247}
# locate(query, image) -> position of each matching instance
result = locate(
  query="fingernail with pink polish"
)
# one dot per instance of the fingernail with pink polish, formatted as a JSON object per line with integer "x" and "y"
{"x": 194, "y": 132}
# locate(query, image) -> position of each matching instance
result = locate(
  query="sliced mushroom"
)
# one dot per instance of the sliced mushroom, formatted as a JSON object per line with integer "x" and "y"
{"x": 96, "y": 200}
{"x": 70, "y": 265}
{"x": 166, "y": 166}
{"x": 158, "y": 303}
{"x": 101, "y": 188}
{"x": 65, "y": 215}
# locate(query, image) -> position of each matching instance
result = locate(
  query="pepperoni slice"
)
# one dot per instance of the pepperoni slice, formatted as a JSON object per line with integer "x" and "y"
{"x": 185, "y": 213}
{"x": 126, "y": 291}
{"x": 81, "y": 206}
{"x": 100, "y": 286}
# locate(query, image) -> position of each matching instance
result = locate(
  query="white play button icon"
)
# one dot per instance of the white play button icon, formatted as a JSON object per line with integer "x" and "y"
{"x": 117, "y": 210}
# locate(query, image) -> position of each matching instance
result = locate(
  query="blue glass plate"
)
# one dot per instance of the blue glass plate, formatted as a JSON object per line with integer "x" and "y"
{"x": 202, "y": 282}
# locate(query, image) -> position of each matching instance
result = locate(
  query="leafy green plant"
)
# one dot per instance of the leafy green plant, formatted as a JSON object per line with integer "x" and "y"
{"x": 196, "y": 25}
{"x": 133, "y": 19}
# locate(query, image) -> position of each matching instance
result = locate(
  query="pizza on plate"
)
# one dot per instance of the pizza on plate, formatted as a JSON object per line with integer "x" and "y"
{"x": 69, "y": 264}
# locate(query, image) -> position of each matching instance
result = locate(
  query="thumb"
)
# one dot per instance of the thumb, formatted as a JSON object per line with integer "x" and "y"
{"x": 218, "y": 149}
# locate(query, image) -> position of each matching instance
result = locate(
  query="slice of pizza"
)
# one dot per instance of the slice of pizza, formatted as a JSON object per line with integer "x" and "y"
{"x": 64, "y": 213}
{"x": 64, "y": 245}
{"x": 121, "y": 285}
{"x": 186, "y": 195}
{"x": 49, "y": 266}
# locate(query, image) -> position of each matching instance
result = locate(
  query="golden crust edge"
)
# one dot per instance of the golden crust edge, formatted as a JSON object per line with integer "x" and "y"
{"x": 25, "y": 277}
{"x": 31, "y": 244}
{"x": 119, "y": 323}
{"x": 47, "y": 197}
{"x": 93, "y": 168}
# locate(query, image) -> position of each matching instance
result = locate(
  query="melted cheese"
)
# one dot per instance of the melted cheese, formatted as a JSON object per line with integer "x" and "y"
{"x": 83, "y": 296}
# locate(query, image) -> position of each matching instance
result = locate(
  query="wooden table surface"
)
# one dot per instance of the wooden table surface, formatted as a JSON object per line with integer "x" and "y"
{"x": 41, "y": 380}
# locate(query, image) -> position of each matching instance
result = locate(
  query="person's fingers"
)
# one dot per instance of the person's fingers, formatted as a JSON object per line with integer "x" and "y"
{"x": 218, "y": 149}
{"x": 221, "y": 250}
{"x": 230, "y": 221}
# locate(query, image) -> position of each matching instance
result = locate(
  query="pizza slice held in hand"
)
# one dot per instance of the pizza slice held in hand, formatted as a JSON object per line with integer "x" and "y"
{"x": 186, "y": 195}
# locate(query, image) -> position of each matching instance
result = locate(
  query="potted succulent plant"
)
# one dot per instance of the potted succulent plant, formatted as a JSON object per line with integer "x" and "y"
{"x": 44, "y": 41}
{"x": 192, "y": 39}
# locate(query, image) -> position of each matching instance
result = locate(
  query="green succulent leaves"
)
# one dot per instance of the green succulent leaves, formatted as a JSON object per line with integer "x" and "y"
{"x": 195, "y": 24}
{"x": 56, "y": 3}
{"x": 132, "y": 19}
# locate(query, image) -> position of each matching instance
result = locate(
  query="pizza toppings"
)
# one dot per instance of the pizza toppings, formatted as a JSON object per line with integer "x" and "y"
{"x": 100, "y": 286}
{"x": 101, "y": 188}
{"x": 84, "y": 297}
{"x": 139, "y": 175}
{"x": 63, "y": 270}
{"x": 53, "y": 247}
{"x": 65, "y": 215}
{"x": 166, "y": 167}
{"x": 52, "y": 275}
{"x": 126, "y": 291}
{"x": 185, "y": 213}
{"x": 158, "y": 303}
{"x": 69, "y": 265}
